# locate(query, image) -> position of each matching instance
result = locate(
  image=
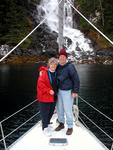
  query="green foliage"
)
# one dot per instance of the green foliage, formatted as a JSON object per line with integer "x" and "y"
{"x": 88, "y": 8}
{"x": 15, "y": 24}
{"x": 108, "y": 15}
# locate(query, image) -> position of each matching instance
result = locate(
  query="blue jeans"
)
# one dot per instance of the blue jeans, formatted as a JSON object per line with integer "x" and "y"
{"x": 64, "y": 107}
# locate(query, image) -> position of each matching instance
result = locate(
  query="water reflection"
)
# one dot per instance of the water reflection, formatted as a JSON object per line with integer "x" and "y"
{"x": 4, "y": 75}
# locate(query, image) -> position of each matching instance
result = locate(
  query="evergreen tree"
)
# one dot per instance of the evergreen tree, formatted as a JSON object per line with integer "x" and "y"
{"x": 89, "y": 8}
{"x": 15, "y": 24}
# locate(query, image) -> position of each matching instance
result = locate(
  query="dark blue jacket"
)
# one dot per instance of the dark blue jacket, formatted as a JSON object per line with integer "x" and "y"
{"x": 68, "y": 77}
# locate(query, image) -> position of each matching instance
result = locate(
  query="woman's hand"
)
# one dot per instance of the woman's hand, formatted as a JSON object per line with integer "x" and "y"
{"x": 51, "y": 92}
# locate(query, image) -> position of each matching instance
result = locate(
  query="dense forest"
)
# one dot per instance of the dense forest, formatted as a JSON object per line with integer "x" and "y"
{"x": 100, "y": 13}
{"x": 16, "y": 19}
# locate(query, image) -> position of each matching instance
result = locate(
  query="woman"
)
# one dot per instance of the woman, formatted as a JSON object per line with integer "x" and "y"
{"x": 47, "y": 93}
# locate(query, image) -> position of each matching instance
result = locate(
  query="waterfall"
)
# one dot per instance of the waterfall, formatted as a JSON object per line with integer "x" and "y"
{"x": 74, "y": 38}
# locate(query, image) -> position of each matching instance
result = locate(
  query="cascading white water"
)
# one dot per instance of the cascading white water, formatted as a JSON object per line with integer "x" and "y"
{"x": 49, "y": 9}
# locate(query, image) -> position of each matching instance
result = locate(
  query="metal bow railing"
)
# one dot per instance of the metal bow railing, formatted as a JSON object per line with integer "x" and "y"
{"x": 1, "y": 124}
{"x": 77, "y": 103}
{"x": 83, "y": 100}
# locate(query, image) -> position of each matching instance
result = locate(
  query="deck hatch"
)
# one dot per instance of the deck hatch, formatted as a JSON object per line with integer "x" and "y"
{"x": 58, "y": 141}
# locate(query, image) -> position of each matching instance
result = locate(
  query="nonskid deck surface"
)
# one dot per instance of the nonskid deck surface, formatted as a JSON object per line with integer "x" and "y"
{"x": 81, "y": 139}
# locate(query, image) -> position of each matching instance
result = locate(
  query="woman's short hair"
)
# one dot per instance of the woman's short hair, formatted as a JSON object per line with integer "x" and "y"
{"x": 53, "y": 60}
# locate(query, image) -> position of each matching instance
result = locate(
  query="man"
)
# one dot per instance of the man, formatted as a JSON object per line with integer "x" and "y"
{"x": 68, "y": 84}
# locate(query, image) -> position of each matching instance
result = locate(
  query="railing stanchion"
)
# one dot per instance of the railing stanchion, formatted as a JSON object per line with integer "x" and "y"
{"x": 76, "y": 111}
{"x": 3, "y": 137}
{"x": 77, "y": 100}
{"x": 112, "y": 146}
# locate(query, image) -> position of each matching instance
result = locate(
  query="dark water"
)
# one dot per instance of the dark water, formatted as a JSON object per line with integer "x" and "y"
{"x": 97, "y": 89}
{"x": 18, "y": 88}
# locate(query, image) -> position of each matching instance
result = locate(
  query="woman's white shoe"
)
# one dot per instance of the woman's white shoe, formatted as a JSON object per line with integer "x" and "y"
{"x": 47, "y": 131}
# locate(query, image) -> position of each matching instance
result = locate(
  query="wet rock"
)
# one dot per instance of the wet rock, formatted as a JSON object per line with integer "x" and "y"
{"x": 105, "y": 52}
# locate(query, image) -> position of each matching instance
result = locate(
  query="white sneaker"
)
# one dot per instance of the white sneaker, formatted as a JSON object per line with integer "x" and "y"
{"x": 47, "y": 132}
{"x": 50, "y": 127}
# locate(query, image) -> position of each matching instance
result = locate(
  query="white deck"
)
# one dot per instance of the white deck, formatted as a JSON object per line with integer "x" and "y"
{"x": 81, "y": 139}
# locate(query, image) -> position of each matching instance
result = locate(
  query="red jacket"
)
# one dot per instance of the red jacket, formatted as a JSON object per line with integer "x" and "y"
{"x": 44, "y": 86}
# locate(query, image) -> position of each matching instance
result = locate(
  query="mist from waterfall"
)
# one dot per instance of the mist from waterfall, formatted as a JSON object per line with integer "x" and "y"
{"x": 49, "y": 9}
